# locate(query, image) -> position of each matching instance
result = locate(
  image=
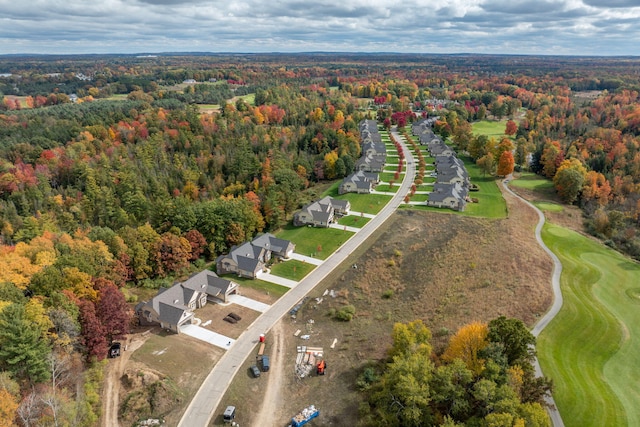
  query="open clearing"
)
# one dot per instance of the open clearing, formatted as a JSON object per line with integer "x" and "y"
{"x": 592, "y": 348}
{"x": 447, "y": 270}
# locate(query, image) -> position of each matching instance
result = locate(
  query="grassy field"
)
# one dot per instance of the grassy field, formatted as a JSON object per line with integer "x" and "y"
{"x": 388, "y": 189}
{"x": 490, "y": 128}
{"x": 316, "y": 242}
{"x": 353, "y": 221}
{"x": 533, "y": 182}
{"x": 292, "y": 269}
{"x": 592, "y": 348}
{"x": 491, "y": 203}
{"x": 549, "y": 207}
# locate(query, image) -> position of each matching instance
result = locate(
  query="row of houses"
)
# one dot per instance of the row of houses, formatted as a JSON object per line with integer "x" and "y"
{"x": 321, "y": 213}
{"x": 451, "y": 189}
{"x": 174, "y": 307}
{"x": 250, "y": 259}
{"x": 370, "y": 164}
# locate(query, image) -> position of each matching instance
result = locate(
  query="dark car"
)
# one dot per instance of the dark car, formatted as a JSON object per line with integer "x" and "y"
{"x": 114, "y": 350}
{"x": 255, "y": 371}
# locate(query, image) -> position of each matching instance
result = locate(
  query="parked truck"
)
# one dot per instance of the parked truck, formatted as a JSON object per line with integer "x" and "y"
{"x": 306, "y": 415}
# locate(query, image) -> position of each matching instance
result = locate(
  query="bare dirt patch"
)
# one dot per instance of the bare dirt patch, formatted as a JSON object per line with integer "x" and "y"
{"x": 447, "y": 270}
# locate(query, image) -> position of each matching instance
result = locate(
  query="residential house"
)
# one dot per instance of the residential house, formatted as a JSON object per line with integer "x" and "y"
{"x": 452, "y": 176}
{"x": 452, "y": 196}
{"x": 321, "y": 213}
{"x": 371, "y": 163}
{"x": 174, "y": 307}
{"x": 359, "y": 182}
{"x": 440, "y": 149}
{"x": 250, "y": 258}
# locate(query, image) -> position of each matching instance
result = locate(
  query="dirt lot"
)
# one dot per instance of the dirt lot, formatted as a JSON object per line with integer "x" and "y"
{"x": 447, "y": 270}
{"x": 159, "y": 372}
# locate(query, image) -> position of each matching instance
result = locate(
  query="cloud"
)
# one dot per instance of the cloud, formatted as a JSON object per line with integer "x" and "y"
{"x": 488, "y": 26}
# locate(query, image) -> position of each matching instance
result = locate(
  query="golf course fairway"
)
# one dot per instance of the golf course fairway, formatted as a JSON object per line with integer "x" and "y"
{"x": 591, "y": 349}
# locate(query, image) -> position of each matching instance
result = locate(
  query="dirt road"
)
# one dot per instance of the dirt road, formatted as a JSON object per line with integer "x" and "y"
{"x": 270, "y": 413}
{"x": 114, "y": 372}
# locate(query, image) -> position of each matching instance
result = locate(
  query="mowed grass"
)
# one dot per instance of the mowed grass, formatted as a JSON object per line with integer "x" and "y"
{"x": 548, "y": 206}
{"x": 530, "y": 181}
{"x": 387, "y": 188}
{"x": 491, "y": 128}
{"x": 591, "y": 349}
{"x": 257, "y": 284}
{"x": 292, "y": 269}
{"x": 353, "y": 221}
{"x": 367, "y": 203}
{"x": 315, "y": 242}
{"x": 491, "y": 203}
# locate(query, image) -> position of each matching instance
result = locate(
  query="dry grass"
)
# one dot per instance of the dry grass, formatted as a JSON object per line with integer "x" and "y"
{"x": 448, "y": 270}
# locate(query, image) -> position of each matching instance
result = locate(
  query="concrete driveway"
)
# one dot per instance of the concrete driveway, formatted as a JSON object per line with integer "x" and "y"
{"x": 206, "y": 335}
{"x": 268, "y": 277}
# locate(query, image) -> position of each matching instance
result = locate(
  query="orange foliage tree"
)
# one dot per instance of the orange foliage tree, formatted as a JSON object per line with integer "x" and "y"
{"x": 466, "y": 345}
{"x": 505, "y": 164}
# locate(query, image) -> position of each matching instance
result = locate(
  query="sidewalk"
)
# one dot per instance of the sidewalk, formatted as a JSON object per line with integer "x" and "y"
{"x": 362, "y": 214}
{"x": 344, "y": 228}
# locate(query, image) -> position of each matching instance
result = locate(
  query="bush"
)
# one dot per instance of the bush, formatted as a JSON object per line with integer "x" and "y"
{"x": 397, "y": 252}
{"x": 388, "y": 294}
{"x": 346, "y": 313}
{"x": 366, "y": 378}
{"x": 391, "y": 263}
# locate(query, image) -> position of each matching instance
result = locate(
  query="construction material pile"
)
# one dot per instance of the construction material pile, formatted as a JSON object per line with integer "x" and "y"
{"x": 306, "y": 359}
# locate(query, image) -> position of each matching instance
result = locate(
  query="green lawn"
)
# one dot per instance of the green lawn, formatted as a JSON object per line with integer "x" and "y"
{"x": 388, "y": 176}
{"x": 367, "y": 203}
{"x": 353, "y": 221}
{"x": 424, "y": 187}
{"x": 261, "y": 285}
{"x": 530, "y": 181}
{"x": 316, "y": 242}
{"x": 419, "y": 197}
{"x": 490, "y": 128}
{"x": 387, "y": 188}
{"x": 491, "y": 203}
{"x": 548, "y": 206}
{"x": 292, "y": 269}
{"x": 591, "y": 350}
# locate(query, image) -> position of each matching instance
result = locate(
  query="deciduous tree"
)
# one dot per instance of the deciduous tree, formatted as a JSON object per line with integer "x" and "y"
{"x": 466, "y": 345}
{"x": 505, "y": 164}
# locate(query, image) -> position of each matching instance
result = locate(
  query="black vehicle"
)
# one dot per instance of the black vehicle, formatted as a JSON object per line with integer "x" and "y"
{"x": 114, "y": 350}
{"x": 255, "y": 371}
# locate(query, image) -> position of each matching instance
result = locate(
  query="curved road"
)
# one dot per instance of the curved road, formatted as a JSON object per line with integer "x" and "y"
{"x": 556, "y": 419}
{"x": 205, "y": 403}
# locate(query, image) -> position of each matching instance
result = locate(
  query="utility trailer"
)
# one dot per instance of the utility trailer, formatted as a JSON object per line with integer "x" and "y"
{"x": 304, "y": 416}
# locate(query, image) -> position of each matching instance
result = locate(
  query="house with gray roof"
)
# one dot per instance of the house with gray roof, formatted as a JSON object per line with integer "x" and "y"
{"x": 371, "y": 163}
{"x": 440, "y": 149}
{"x": 250, "y": 258}
{"x": 452, "y": 196}
{"x": 174, "y": 307}
{"x": 359, "y": 182}
{"x": 321, "y": 213}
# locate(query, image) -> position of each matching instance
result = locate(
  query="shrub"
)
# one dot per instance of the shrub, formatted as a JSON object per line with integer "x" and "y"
{"x": 366, "y": 378}
{"x": 388, "y": 294}
{"x": 391, "y": 263}
{"x": 346, "y": 313}
{"x": 397, "y": 252}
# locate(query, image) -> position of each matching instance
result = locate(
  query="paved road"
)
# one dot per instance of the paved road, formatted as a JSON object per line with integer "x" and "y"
{"x": 205, "y": 403}
{"x": 557, "y": 300}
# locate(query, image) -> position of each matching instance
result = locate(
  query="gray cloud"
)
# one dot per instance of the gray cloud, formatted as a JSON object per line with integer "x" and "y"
{"x": 487, "y": 26}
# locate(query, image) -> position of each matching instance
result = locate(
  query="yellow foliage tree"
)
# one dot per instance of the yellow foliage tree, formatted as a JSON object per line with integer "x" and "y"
{"x": 466, "y": 344}
{"x": 79, "y": 283}
{"x": 35, "y": 312}
{"x": 15, "y": 268}
{"x": 8, "y": 408}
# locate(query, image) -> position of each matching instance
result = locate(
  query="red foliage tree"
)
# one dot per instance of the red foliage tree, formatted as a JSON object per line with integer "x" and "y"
{"x": 93, "y": 332}
{"x": 198, "y": 244}
{"x": 113, "y": 311}
{"x": 511, "y": 128}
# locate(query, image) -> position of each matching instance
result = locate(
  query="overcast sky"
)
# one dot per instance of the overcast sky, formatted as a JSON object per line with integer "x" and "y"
{"x": 571, "y": 27}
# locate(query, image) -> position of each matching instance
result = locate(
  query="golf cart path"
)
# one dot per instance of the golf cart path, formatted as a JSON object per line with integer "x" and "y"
{"x": 556, "y": 419}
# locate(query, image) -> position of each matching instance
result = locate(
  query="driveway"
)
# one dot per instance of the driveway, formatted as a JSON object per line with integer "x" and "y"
{"x": 268, "y": 277}
{"x": 304, "y": 258}
{"x": 206, "y": 335}
{"x": 248, "y": 302}
{"x": 344, "y": 228}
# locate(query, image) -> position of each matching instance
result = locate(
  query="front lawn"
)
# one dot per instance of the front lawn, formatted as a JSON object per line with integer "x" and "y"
{"x": 591, "y": 349}
{"x": 260, "y": 285}
{"x": 315, "y": 242}
{"x": 387, "y": 188}
{"x": 292, "y": 269}
{"x": 353, "y": 221}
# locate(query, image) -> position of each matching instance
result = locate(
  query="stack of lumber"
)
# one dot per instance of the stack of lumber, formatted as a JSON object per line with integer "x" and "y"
{"x": 306, "y": 359}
